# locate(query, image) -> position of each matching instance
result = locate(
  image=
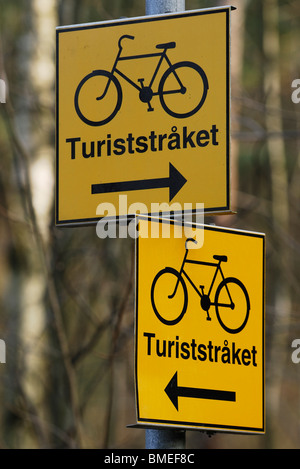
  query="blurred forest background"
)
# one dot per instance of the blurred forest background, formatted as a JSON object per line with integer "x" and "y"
{"x": 67, "y": 297}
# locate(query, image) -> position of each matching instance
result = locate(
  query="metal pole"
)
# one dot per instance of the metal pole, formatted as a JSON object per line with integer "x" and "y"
{"x": 157, "y": 7}
{"x": 165, "y": 438}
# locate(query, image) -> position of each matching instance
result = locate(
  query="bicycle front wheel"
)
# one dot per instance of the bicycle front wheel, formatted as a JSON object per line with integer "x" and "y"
{"x": 95, "y": 103}
{"x": 232, "y": 305}
{"x": 183, "y": 89}
{"x": 169, "y": 296}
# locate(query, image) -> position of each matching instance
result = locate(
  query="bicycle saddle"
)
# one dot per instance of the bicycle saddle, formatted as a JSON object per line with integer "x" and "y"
{"x": 167, "y": 45}
{"x": 221, "y": 258}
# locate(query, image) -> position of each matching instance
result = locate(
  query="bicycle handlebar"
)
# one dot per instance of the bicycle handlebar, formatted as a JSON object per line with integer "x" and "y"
{"x": 126, "y": 36}
{"x": 190, "y": 239}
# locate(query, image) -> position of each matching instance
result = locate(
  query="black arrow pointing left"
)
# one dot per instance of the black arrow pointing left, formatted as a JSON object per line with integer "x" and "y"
{"x": 173, "y": 391}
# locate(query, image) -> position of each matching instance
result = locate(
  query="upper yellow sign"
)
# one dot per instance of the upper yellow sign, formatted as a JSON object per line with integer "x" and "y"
{"x": 143, "y": 110}
{"x": 200, "y": 327}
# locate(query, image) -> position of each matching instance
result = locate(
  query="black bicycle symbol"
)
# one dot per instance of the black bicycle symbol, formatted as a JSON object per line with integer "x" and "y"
{"x": 185, "y": 79}
{"x": 231, "y": 295}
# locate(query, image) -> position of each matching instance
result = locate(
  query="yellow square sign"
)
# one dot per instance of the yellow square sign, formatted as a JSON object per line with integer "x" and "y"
{"x": 143, "y": 112}
{"x": 199, "y": 327}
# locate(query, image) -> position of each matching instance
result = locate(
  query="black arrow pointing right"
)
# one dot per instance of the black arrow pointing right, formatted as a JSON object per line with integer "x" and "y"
{"x": 173, "y": 391}
{"x": 174, "y": 182}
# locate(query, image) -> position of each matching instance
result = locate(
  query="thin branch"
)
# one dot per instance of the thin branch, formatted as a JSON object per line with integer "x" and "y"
{"x": 114, "y": 344}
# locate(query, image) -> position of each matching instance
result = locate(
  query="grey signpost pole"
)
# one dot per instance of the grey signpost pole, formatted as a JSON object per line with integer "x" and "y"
{"x": 157, "y": 7}
{"x": 165, "y": 438}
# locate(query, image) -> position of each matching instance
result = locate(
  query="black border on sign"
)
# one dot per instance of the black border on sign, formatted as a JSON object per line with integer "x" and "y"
{"x": 63, "y": 29}
{"x": 163, "y": 423}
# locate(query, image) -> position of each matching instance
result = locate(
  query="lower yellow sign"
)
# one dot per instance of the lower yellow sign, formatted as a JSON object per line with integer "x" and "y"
{"x": 200, "y": 327}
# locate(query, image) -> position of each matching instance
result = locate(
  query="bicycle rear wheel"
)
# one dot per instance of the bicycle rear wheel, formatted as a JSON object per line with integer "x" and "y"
{"x": 183, "y": 89}
{"x": 232, "y": 305}
{"x": 169, "y": 296}
{"x": 92, "y": 110}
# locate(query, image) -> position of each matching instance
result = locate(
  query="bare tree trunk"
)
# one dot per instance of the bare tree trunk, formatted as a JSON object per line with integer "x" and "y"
{"x": 237, "y": 53}
{"x": 41, "y": 76}
{"x": 19, "y": 283}
{"x": 280, "y": 199}
{"x": 30, "y": 128}
{"x": 236, "y": 66}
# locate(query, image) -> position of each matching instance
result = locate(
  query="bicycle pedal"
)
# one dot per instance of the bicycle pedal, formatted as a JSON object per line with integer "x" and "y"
{"x": 151, "y": 109}
{"x": 208, "y": 318}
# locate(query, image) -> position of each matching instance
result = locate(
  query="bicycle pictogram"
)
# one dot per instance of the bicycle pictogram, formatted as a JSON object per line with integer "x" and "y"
{"x": 99, "y": 95}
{"x": 231, "y": 299}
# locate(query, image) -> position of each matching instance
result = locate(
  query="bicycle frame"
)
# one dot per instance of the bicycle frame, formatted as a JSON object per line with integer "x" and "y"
{"x": 162, "y": 56}
{"x": 209, "y": 264}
